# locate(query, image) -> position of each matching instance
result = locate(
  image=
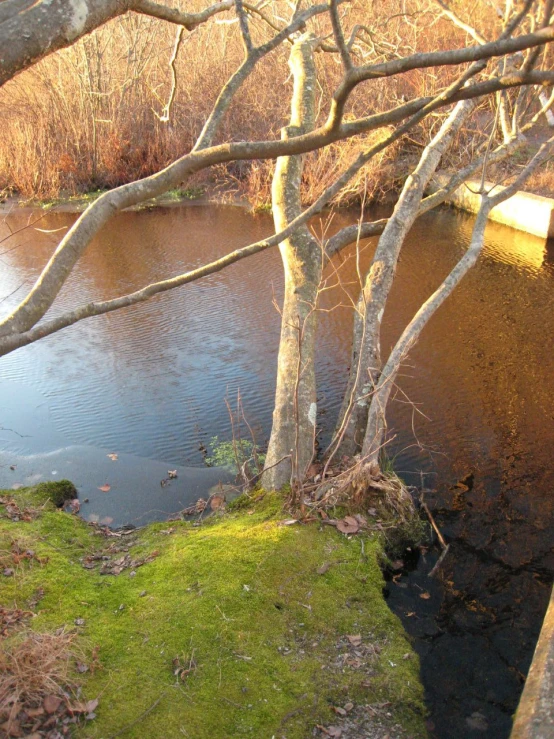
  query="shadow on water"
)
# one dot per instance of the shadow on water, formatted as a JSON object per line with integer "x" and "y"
{"x": 475, "y": 397}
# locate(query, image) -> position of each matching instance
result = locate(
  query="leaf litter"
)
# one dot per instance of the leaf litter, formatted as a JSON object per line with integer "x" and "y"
{"x": 38, "y": 697}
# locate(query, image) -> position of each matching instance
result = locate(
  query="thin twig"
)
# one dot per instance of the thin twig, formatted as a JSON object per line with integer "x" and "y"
{"x": 142, "y": 715}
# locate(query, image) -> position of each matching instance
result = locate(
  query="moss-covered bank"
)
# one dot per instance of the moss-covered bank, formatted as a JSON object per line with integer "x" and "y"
{"x": 240, "y": 626}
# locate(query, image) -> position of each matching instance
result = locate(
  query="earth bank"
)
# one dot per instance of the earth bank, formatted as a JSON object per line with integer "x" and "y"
{"x": 243, "y": 624}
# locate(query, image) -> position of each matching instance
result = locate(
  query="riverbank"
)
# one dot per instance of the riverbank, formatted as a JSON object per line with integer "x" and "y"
{"x": 243, "y": 624}
{"x": 524, "y": 211}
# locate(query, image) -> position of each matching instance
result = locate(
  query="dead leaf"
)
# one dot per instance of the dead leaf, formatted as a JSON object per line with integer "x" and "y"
{"x": 348, "y": 706}
{"x": 113, "y": 457}
{"x": 355, "y": 639}
{"x": 51, "y": 703}
{"x": 340, "y": 711}
{"x": 172, "y": 474}
{"x": 323, "y": 569}
{"x": 289, "y": 522}
{"x": 12, "y": 728}
{"x": 425, "y": 596}
{"x": 348, "y": 525}
{"x": 354, "y": 662}
{"x": 74, "y": 505}
{"x": 366, "y": 684}
{"x": 34, "y": 712}
{"x": 106, "y": 521}
{"x": 333, "y": 731}
{"x": 91, "y": 705}
{"x": 105, "y": 488}
{"x": 477, "y": 721}
{"x": 216, "y": 501}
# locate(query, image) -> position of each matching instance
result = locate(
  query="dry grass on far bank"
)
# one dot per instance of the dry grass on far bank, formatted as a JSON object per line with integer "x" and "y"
{"x": 92, "y": 116}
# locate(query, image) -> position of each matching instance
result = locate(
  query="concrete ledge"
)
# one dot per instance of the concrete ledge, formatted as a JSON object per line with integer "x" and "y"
{"x": 524, "y": 211}
{"x": 535, "y": 714}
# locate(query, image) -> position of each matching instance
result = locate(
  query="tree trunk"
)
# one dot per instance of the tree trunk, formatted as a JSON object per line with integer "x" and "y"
{"x": 376, "y": 424}
{"x": 366, "y": 347}
{"x": 291, "y": 444}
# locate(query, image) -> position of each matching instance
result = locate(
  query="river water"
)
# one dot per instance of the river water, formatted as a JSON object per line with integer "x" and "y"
{"x": 474, "y": 402}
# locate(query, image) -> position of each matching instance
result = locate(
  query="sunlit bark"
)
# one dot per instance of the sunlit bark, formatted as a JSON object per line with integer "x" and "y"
{"x": 376, "y": 424}
{"x": 365, "y": 365}
{"x": 294, "y": 417}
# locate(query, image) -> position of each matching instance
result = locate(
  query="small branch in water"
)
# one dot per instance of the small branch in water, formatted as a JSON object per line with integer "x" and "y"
{"x": 442, "y": 542}
{"x": 21, "y": 436}
{"x": 445, "y": 547}
{"x": 439, "y": 561}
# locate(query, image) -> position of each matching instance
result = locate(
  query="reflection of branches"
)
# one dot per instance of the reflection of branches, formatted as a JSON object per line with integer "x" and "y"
{"x": 29, "y": 224}
{"x": 21, "y": 436}
{"x": 13, "y": 292}
{"x": 376, "y": 424}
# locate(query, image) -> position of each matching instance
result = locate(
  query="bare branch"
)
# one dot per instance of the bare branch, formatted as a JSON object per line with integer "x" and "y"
{"x": 234, "y": 83}
{"x": 174, "y": 15}
{"x": 451, "y": 57}
{"x": 59, "y": 23}
{"x": 376, "y": 423}
{"x": 339, "y": 36}
{"x": 449, "y": 13}
{"x": 164, "y": 117}
{"x": 244, "y": 29}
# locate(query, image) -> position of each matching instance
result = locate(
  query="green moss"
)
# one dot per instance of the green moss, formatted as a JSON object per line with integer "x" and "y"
{"x": 55, "y": 492}
{"x": 237, "y": 600}
{"x": 184, "y": 193}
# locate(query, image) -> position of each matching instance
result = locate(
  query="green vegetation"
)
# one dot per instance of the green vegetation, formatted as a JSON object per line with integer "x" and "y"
{"x": 56, "y": 493}
{"x": 182, "y": 193}
{"x": 234, "y": 454}
{"x": 235, "y": 627}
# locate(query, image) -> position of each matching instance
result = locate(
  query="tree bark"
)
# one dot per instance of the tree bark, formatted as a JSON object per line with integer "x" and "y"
{"x": 30, "y": 31}
{"x": 292, "y": 438}
{"x": 365, "y": 363}
{"x": 376, "y": 424}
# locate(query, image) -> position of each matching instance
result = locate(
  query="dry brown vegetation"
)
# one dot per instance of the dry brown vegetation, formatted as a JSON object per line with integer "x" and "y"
{"x": 37, "y": 685}
{"x": 95, "y": 115}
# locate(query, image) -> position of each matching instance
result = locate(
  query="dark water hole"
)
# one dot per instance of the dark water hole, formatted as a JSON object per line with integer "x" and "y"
{"x": 474, "y": 399}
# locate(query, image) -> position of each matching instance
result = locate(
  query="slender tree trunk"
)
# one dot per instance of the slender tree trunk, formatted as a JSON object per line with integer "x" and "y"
{"x": 291, "y": 444}
{"x": 365, "y": 364}
{"x": 376, "y": 424}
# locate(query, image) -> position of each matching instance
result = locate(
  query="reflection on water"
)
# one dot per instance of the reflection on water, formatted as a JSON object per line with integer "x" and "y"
{"x": 474, "y": 398}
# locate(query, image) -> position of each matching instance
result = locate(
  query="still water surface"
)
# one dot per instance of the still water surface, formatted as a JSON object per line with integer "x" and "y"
{"x": 474, "y": 399}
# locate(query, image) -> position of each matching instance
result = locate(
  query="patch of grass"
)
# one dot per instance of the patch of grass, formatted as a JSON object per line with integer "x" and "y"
{"x": 229, "y": 631}
{"x": 184, "y": 193}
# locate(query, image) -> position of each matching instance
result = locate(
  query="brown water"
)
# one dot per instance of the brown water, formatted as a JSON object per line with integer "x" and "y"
{"x": 475, "y": 398}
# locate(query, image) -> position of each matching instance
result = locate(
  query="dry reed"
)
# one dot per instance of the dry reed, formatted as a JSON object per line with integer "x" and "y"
{"x": 95, "y": 116}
